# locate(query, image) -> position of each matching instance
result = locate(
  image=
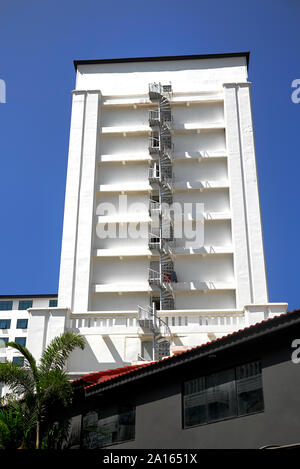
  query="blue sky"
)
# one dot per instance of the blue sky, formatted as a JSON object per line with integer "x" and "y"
{"x": 39, "y": 41}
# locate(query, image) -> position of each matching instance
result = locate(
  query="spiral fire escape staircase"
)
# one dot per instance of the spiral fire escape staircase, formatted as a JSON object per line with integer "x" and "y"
{"x": 161, "y": 232}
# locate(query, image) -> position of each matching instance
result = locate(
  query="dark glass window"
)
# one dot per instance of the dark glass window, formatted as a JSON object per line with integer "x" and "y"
{"x": 3, "y": 342}
{"x": 22, "y": 323}
{"x": 18, "y": 360}
{"x": 21, "y": 341}
{"x": 25, "y": 304}
{"x": 221, "y": 395}
{"x": 52, "y": 303}
{"x": 195, "y": 408}
{"x": 6, "y": 305}
{"x": 101, "y": 429}
{"x": 249, "y": 388}
{"x": 229, "y": 393}
{"x": 4, "y": 323}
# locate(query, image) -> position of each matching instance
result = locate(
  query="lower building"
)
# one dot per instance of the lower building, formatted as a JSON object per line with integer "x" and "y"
{"x": 240, "y": 391}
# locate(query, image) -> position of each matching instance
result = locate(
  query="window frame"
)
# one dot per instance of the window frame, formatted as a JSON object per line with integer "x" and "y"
{"x": 10, "y": 302}
{"x": 7, "y": 321}
{"x": 17, "y": 340}
{"x": 16, "y": 358}
{"x": 22, "y": 319}
{"x": 119, "y": 411}
{"x": 6, "y": 339}
{"x": 22, "y": 302}
{"x": 237, "y": 415}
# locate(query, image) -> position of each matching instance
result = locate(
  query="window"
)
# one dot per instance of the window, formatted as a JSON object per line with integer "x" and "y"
{"x": 22, "y": 323}
{"x": 221, "y": 395}
{"x": 21, "y": 341}
{"x": 195, "y": 402}
{"x": 25, "y": 304}
{"x": 4, "y": 323}
{"x": 249, "y": 388}
{"x": 52, "y": 303}
{"x": 3, "y": 342}
{"x": 3, "y": 359}
{"x": 18, "y": 361}
{"x": 101, "y": 428}
{"x": 6, "y": 305}
{"x": 229, "y": 393}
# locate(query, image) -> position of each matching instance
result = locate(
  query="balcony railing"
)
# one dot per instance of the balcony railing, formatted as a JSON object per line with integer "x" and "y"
{"x": 154, "y": 118}
{"x": 154, "y": 145}
{"x": 154, "y": 207}
{"x": 154, "y": 241}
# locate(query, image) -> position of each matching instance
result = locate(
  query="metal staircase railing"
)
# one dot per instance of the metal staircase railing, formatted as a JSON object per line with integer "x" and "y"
{"x": 161, "y": 231}
{"x": 161, "y": 333}
{"x": 161, "y": 236}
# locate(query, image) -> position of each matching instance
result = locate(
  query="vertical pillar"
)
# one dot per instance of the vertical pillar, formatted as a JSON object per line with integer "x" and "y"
{"x": 237, "y": 202}
{"x": 43, "y": 326}
{"x": 257, "y": 258}
{"x": 69, "y": 238}
{"x": 246, "y": 222}
{"x": 83, "y": 263}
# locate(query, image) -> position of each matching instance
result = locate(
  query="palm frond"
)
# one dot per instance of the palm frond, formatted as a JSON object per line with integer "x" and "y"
{"x": 20, "y": 380}
{"x": 59, "y": 350}
{"x": 27, "y": 355}
{"x": 55, "y": 387}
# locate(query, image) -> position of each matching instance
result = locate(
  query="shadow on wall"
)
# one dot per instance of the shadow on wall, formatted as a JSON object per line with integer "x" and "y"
{"x": 86, "y": 361}
{"x": 177, "y": 341}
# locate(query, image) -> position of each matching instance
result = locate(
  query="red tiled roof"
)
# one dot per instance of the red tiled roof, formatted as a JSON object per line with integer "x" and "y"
{"x": 100, "y": 376}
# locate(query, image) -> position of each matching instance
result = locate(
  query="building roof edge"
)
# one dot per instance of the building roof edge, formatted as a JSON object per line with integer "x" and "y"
{"x": 163, "y": 58}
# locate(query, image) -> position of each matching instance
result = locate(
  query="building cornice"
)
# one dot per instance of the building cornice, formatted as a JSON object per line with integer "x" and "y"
{"x": 163, "y": 58}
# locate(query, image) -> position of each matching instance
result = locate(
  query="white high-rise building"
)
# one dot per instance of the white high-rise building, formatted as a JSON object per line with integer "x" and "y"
{"x": 162, "y": 240}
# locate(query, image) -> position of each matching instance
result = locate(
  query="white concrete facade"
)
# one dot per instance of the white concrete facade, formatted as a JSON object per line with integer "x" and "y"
{"x": 221, "y": 283}
{"x": 16, "y": 324}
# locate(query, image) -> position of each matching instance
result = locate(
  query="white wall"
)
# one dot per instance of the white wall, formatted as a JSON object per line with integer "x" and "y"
{"x": 206, "y": 140}
{"x": 205, "y": 170}
{"x": 185, "y": 75}
{"x": 116, "y": 302}
{"x": 204, "y": 113}
{"x": 213, "y": 201}
{"x": 206, "y": 301}
{"x": 211, "y": 268}
{"x": 117, "y": 174}
{"x": 129, "y": 271}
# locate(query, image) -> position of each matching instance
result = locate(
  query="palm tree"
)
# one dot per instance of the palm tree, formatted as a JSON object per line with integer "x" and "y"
{"x": 45, "y": 385}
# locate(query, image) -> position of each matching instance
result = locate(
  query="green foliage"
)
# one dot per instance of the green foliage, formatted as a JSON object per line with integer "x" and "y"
{"x": 11, "y": 429}
{"x": 44, "y": 389}
{"x": 17, "y": 425}
{"x": 57, "y": 435}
